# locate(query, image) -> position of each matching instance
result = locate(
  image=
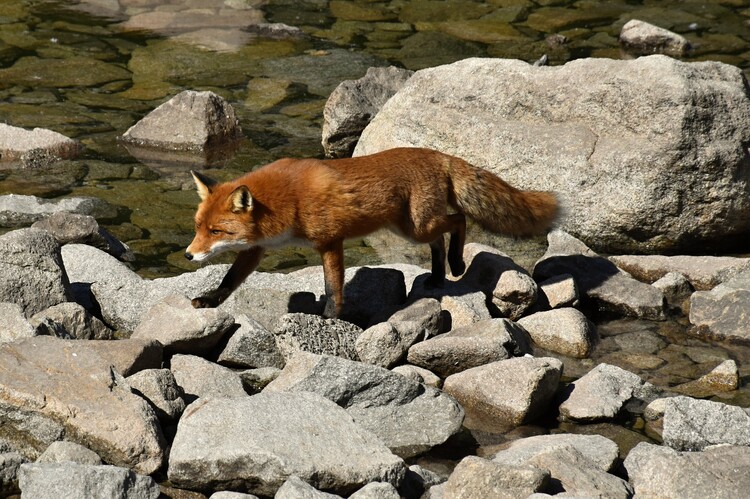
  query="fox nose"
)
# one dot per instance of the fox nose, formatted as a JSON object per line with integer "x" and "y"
{"x": 188, "y": 255}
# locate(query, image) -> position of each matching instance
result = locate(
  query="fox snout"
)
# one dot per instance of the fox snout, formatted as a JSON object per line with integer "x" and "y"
{"x": 188, "y": 255}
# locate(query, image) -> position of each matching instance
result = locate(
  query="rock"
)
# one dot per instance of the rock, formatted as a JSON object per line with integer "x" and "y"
{"x": 352, "y": 105}
{"x": 126, "y": 356}
{"x": 255, "y": 380}
{"x": 419, "y": 375}
{"x": 181, "y": 328}
{"x": 600, "y": 394}
{"x": 559, "y": 291}
{"x": 10, "y": 463}
{"x": 189, "y": 121}
{"x": 566, "y": 331}
{"x": 199, "y": 378}
{"x": 380, "y": 345}
{"x": 251, "y": 346}
{"x": 505, "y": 394}
{"x": 589, "y": 141}
{"x": 723, "y": 313}
{"x": 62, "y": 451}
{"x": 70, "y": 320}
{"x": 376, "y": 490}
{"x": 311, "y": 333}
{"x": 13, "y": 323}
{"x": 32, "y": 274}
{"x": 604, "y": 287}
{"x": 159, "y": 387}
{"x": 408, "y": 417}
{"x": 470, "y": 346}
{"x": 703, "y": 272}
{"x": 718, "y": 472}
{"x": 16, "y": 142}
{"x": 226, "y": 494}
{"x": 53, "y": 388}
{"x": 18, "y": 210}
{"x": 372, "y": 294}
{"x": 601, "y": 451}
{"x": 253, "y": 443}
{"x": 676, "y": 288}
{"x": 724, "y": 378}
{"x": 475, "y": 477}
{"x": 693, "y": 425}
{"x": 83, "y": 229}
{"x": 55, "y": 480}
{"x": 464, "y": 309}
{"x": 641, "y": 38}
{"x": 296, "y": 488}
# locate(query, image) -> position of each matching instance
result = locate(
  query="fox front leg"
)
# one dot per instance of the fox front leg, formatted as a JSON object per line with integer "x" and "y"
{"x": 243, "y": 266}
{"x": 333, "y": 273}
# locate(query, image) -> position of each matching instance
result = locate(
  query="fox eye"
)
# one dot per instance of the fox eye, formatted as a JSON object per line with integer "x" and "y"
{"x": 216, "y": 232}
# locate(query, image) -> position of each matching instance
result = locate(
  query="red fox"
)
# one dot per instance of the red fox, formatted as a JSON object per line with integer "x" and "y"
{"x": 322, "y": 202}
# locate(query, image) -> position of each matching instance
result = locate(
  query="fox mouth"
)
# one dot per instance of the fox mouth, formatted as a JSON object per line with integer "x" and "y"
{"x": 217, "y": 248}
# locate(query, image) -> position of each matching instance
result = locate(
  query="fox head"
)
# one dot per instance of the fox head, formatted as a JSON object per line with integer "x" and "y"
{"x": 223, "y": 221}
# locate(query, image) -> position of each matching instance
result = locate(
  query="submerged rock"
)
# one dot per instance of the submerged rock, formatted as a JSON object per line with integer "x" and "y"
{"x": 17, "y": 143}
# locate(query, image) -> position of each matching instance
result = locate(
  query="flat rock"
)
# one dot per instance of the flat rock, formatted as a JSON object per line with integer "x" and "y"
{"x": 54, "y": 389}
{"x": 559, "y": 291}
{"x": 723, "y": 313}
{"x": 18, "y": 210}
{"x": 693, "y": 425}
{"x": 642, "y": 38}
{"x": 505, "y": 394}
{"x": 408, "y": 417}
{"x": 251, "y": 346}
{"x": 601, "y": 451}
{"x": 198, "y": 377}
{"x": 723, "y": 378}
{"x": 254, "y": 443}
{"x": 62, "y": 451}
{"x": 600, "y": 394}
{"x": 311, "y": 333}
{"x": 13, "y": 323}
{"x": 16, "y": 142}
{"x": 477, "y": 477}
{"x": 83, "y": 229}
{"x": 566, "y": 331}
{"x": 70, "y": 320}
{"x": 703, "y": 272}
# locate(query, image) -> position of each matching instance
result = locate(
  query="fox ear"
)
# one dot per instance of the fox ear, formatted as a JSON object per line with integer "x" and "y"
{"x": 203, "y": 184}
{"x": 241, "y": 199}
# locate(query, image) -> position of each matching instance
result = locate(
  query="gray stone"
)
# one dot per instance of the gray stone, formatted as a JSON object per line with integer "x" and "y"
{"x": 16, "y": 142}
{"x": 703, "y": 272}
{"x": 464, "y": 309}
{"x": 601, "y": 451}
{"x": 419, "y": 320}
{"x": 127, "y": 356}
{"x": 13, "y": 323}
{"x": 475, "y": 477}
{"x": 70, "y": 320}
{"x": 296, "y": 488}
{"x": 352, "y": 105}
{"x": 724, "y": 312}
{"x": 559, "y": 291}
{"x": 600, "y": 394}
{"x": 718, "y": 472}
{"x": 56, "y": 480}
{"x": 191, "y": 121}
{"x": 371, "y": 295}
{"x": 83, "y": 229}
{"x": 255, "y": 380}
{"x": 181, "y": 328}
{"x": 199, "y": 378}
{"x": 62, "y": 451}
{"x": 408, "y": 417}
{"x": 642, "y": 38}
{"x": 419, "y": 375}
{"x": 311, "y": 333}
{"x": 17, "y": 210}
{"x": 10, "y": 463}
{"x": 380, "y": 345}
{"x": 723, "y": 378}
{"x": 159, "y": 387}
{"x": 676, "y": 288}
{"x": 226, "y": 494}
{"x": 32, "y": 274}
{"x": 251, "y": 346}
{"x": 253, "y": 442}
{"x": 566, "y": 331}
{"x": 680, "y": 191}
{"x": 505, "y": 394}
{"x": 604, "y": 286}
{"x": 376, "y": 490}
{"x": 693, "y": 425}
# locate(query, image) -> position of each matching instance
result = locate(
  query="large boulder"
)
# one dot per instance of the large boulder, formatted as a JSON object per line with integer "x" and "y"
{"x": 668, "y": 137}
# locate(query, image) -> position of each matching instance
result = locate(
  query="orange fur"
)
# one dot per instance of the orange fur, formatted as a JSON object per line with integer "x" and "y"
{"x": 323, "y": 202}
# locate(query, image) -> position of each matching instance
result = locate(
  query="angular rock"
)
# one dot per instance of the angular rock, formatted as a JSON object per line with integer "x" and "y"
{"x": 189, "y": 121}
{"x": 16, "y": 142}
{"x": 83, "y": 229}
{"x": 601, "y": 451}
{"x": 352, "y": 105}
{"x": 55, "y": 388}
{"x": 70, "y": 320}
{"x": 419, "y": 375}
{"x": 642, "y": 38}
{"x": 408, "y": 417}
{"x": 10, "y": 464}
{"x": 723, "y": 313}
{"x": 418, "y": 321}
{"x": 159, "y": 387}
{"x": 566, "y": 331}
{"x": 199, "y": 378}
{"x": 464, "y": 309}
{"x": 477, "y": 477}
{"x": 600, "y": 394}
{"x": 604, "y": 287}
{"x": 703, "y": 272}
{"x": 693, "y": 425}
{"x": 311, "y": 333}
{"x": 559, "y": 291}
{"x": 55, "y": 480}
{"x": 676, "y": 288}
{"x": 251, "y": 346}
{"x": 678, "y": 114}
{"x": 717, "y": 472}
{"x": 505, "y": 394}
{"x": 126, "y": 356}
{"x": 380, "y": 345}
{"x": 13, "y": 323}
{"x": 255, "y": 380}
{"x": 296, "y": 488}
{"x": 181, "y": 328}
{"x": 724, "y": 378}
{"x": 32, "y": 274}
{"x": 469, "y": 346}
{"x": 373, "y": 294}
{"x": 18, "y": 210}
{"x": 253, "y": 442}
{"x": 62, "y": 451}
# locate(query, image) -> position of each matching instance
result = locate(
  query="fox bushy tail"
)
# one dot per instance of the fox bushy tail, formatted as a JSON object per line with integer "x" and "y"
{"x": 498, "y": 206}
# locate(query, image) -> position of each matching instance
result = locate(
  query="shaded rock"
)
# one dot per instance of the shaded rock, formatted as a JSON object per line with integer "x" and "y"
{"x": 376, "y": 490}
{"x": 13, "y": 323}
{"x": 408, "y": 417}
{"x": 16, "y": 142}
{"x": 339, "y": 456}
{"x": 311, "y": 333}
{"x": 469, "y": 346}
{"x": 18, "y": 210}
{"x": 55, "y": 480}
{"x": 676, "y": 288}
{"x": 475, "y": 477}
{"x": 32, "y": 274}
{"x": 642, "y": 38}
{"x": 600, "y": 394}
{"x": 54, "y": 389}
{"x": 693, "y": 425}
{"x": 703, "y": 272}
{"x": 62, "y": 451}
{"x": 601, "y": 451}
{"x": 70, "y": 320}
{"x": 352, "y": 105}
{"x": 10, "y": 464}
{"x": 505, "y": 394}
{"x": 559, "y": 291}
{"x": 251, "y": 346}
{"x": 296, "y": 488}
{"x": 83, "y": 229}
{"x": 604, "y": 287}
{"x": 255, "y": 380}
{"x": 718, "y": 472}
{"x": 191, "y": 121}
{"x": 198, "y": 378}
{"x": 724, "y": 312}
{"x": 724, "y": 378}
{"x": 159, "y": 387}
{"x": 372, "y": 294}
{"x": 565, "y": 330}
{"x": 677, "y": 115}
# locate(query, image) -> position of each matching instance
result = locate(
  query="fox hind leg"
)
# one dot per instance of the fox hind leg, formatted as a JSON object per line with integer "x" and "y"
{"x": 456, "y": 248}
{"x": 437, "y": 251}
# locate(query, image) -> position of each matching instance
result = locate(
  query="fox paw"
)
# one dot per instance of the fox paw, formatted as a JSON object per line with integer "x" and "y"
{"x": 204, "y": 302}
{"x": 434, "y": 282}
